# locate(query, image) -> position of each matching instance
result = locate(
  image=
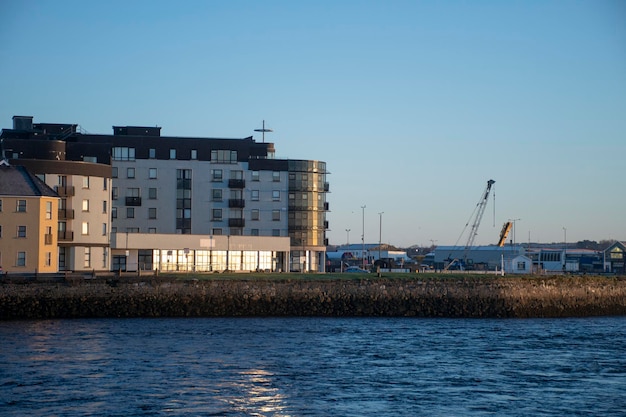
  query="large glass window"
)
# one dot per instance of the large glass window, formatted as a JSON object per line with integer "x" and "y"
{"x": 123, "y": 154}
{"x": 224, "y": 156}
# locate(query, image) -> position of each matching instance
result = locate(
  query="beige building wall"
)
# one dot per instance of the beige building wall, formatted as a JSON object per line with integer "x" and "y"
{"x": 28, "y": 242}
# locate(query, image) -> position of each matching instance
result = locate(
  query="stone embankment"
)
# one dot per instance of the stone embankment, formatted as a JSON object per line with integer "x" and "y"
{"x": 417, "y": 296}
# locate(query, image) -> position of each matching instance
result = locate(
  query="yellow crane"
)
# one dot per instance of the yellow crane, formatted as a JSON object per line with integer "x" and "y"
{"x": 506, "y": 229}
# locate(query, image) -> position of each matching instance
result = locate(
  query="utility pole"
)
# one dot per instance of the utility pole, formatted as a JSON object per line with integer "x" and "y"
{"x": 363, "y": 237}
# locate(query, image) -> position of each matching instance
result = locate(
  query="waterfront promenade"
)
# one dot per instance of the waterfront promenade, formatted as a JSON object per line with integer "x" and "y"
{"x": 329, "y": 295}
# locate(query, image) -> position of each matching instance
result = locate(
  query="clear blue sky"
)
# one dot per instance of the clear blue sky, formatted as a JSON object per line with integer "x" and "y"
{"x": 414, "y": 105}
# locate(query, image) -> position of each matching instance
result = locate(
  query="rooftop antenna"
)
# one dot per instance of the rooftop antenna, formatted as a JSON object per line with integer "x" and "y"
{"x": 263, "y": 130}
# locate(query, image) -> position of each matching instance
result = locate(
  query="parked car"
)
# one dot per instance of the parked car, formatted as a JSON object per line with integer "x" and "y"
{"x": 356, "y": 269}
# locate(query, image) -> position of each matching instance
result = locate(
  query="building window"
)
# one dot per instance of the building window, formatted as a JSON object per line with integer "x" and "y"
{"x": 48, "y": 258}
{"x": 48, "y": 210}
{"x": 85, "y": 229}
{"x": 194, "y": 154}
{"x": 217, "y": 231}
{"x": 114, "y": 193}
{"x": 276, "y": 215}
{"x": 21, "y": 206}
{"x": 224, "y": 156}
{"x": 130, "y": 172}
{"x": 85, "y": 182}
{"x": 254, "y": 232}
{"x": 114, "y": 172}
{"x": 105, "y": 183}
{"x": 216, "y": 175}
{"x": 152, "y": 230}
{"x": 104, "y": 207}
{"x": 130, "y": 212}
{"x": 104, "y": 258}
{"x": 152, "y": 193}
{"x": 255, "y": 214}
{"x": 85, "y": 205}
{"x": 275, "y": 232}
{"x": 87, "y": 262}
{"x": 217, "y": 194}
{"x": 152, "y": 173}
{"x": 123, "y": 154}
{"x": 521, "y": 265}
{"x": 21, "y": 259}
{"x": 276, "y": 176}
{"x": 152, "y": 213}
{"x": 216, "y": 215}
{"x": 275, "y": 195}
{"x": 21, "y": 231}
{"x": 0, "y": 231}
{"x": 172, "y": 153}
{"x": 114, "y": 212}
{"x": 0, "y": 205}
{"x": 104, "y": 229}
{"x": 152, "y": 153}
{"x": 255, "y": 195}
{"x": 132, "y": 230}
{"x": 255, "y": 175}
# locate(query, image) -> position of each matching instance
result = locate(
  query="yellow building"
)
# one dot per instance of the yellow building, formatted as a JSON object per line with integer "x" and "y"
{"x": 28, "y": 222}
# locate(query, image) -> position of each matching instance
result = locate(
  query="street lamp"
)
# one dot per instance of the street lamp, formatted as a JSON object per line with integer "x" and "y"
{"x": 514, "y": 220}
{"x": 565, "y": 248}
{"x": 348, "y": 237}
{"x": 363, "y": 237}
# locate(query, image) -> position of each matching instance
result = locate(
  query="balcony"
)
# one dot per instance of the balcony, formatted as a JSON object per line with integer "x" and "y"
{"x": 133, "y": 201}
{"x": 65, "y": 190}
{"x": 66, "y": 214}
{"x": 48, "y": 239}
{"x": 66, "y": 235}
{"x": 236, "y": 222}
{"x": 241, "y": 184}
{"x": 236, "y": 203}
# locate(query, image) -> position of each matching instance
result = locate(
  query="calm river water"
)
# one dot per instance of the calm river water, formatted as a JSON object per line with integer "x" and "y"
{"x": 313, "y": 367}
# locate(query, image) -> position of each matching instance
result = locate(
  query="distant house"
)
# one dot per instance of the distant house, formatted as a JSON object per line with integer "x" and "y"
{"x": 615, "y": 258}
{"x": 518, "y": 265}
{"x": 28, "y": 222}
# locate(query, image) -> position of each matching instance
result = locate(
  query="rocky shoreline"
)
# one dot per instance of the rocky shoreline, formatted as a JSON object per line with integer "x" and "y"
{"x": 414, "y": 296}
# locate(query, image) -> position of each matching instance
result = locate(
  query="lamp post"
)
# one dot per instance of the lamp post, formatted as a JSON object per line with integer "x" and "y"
{"x": 564, "y": 248}
{"x": 363, "y": 237}
{"x": 348, "y": 237}
{"x": 514, "y": 220}
{"x": 380, "y": 233}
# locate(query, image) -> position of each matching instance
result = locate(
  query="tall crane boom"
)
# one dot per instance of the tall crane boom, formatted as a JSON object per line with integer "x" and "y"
{"x": 479, "y": 210}
{"x": 482, "y": 204}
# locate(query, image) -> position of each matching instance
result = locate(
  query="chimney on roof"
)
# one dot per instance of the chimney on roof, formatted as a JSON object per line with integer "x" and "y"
{"x": 22, "y": 122}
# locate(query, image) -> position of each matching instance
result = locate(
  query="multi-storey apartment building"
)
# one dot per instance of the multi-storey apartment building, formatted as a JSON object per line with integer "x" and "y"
{"x": 243, "y": 208}
{"x": 28, "y": 222}
{"x": 80, "y": 173}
